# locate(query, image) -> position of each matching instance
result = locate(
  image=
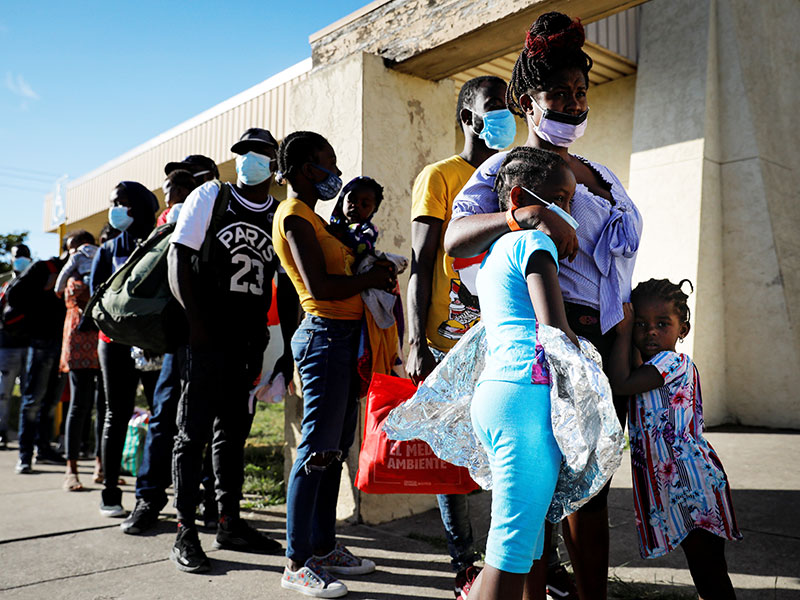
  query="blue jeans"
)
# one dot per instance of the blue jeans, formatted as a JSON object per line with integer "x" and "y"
{"x": 40, "y": 391}
{"x": 325, "y": 351}
{"x": 155, "y": 472}
{"x": 12, "y": 365}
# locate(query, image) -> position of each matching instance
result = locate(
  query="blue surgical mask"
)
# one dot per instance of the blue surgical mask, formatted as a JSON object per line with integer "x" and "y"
{"x": 329, "y": 188}
{"x": 21, "y": 263}
{"x": 253, "y": 168}
{"x": 555, "y": 208}
{"x": 119, "y": 218}
{"x": 499, "y": 129}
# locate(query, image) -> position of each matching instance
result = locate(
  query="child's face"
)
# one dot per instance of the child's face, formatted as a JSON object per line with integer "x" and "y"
{"x": 559, "y": 189}
{"x": 656, "y": 327}
{"x": 359, "y": 205}
{"x": 173, "y": 194}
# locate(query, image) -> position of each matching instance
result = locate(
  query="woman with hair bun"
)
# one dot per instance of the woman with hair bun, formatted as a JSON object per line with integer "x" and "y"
{"x": 548, "y": 89}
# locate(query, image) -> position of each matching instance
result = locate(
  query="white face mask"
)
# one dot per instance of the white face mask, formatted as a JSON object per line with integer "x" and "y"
{"x": 560, "y": 129}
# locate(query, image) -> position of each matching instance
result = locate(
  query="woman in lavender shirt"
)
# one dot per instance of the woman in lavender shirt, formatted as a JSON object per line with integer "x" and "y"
{"x": 548, "y": 89}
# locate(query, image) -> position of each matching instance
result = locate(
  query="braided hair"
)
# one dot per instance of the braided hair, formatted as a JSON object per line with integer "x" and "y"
{"x": 525, "y": 166}
{"x": 469, "y": 91}
{"x": 552, "y": 44}
{"x": 295, "y": 150}
{"x": 664, "y": 289}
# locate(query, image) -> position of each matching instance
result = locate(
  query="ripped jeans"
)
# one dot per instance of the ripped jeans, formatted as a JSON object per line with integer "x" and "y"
{"x": 325, "y": 351}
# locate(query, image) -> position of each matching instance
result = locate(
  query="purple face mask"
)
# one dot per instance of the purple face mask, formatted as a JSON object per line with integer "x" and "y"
{"x": 560, "y": 129}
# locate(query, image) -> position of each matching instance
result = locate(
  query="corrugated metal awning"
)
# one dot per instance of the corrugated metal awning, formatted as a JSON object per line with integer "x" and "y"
{"x": 210, "y": 133}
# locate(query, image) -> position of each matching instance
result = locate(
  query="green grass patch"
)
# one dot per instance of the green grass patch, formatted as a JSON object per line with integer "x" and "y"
{"x": 267, "y": 429}
{"x": 263, "y": 459}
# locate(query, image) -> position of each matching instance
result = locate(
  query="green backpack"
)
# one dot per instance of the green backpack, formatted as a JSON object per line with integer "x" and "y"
{"x": 135, "y": 305}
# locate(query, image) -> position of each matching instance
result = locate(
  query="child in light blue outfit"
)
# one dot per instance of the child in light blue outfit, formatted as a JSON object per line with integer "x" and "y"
{"x": 518, "y": 287}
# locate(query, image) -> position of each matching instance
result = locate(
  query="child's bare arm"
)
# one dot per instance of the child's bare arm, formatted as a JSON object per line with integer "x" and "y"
{"x": 545, "y": 292}
{"x": 624, "y": 380}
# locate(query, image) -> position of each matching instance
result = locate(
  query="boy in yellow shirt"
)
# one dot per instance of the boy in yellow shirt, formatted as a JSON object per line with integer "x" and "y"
{"x": 440, "y": 308}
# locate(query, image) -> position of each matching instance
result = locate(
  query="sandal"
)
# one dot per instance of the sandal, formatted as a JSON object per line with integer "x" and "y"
{"x": 71, "y": 483}
{"x": 99, "y": 477}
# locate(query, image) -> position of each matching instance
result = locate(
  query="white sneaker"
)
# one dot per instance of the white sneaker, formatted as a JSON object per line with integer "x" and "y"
{"x": 313, "y": 580}
{"x": 112, "y": 510}
{"x": 343, "y": 562}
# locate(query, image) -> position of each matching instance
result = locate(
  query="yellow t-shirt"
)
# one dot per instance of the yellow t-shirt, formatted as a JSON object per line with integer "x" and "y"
{"x": 338, "y": 261}
{"x": 453, "y": 310}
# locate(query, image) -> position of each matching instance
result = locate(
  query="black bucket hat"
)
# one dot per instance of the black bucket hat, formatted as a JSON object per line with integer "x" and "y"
{"x": 196, "y": 164}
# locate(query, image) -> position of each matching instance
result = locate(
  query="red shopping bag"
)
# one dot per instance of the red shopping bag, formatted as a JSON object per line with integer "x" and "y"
{"x": 390, "y": 467}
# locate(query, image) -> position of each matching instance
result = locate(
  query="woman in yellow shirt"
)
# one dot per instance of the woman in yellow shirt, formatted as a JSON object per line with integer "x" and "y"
{"x": 325, "y": 350}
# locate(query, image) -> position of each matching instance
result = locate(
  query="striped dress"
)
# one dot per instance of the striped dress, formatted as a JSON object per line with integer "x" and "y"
{"x": 678, "y": 480}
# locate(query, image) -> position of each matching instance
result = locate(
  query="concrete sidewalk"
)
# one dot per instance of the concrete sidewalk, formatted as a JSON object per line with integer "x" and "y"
{"x": 55, "y": 545}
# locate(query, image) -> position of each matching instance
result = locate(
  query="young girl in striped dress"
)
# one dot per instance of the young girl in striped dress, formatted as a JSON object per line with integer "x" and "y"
{"x": 681, "y": 492}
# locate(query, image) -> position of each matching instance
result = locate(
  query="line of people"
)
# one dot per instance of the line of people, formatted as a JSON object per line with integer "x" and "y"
{"x": 511, "y": 238}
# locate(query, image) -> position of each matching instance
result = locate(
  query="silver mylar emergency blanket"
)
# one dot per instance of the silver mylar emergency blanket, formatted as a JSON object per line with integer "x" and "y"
{"x": 584, "y": 421}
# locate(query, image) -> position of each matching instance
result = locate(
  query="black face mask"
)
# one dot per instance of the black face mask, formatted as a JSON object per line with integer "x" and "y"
{"x": 559, "y": 117}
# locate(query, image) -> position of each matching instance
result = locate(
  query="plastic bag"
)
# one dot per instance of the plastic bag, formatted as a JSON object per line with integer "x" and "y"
{"x": 408, "y": 467}
{"x": 133, "y": 449}
{"x": 144, "y": 362}
{"x": 584, "y": 422}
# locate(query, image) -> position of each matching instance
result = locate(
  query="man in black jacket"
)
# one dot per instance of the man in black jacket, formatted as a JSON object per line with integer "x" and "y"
{"x": 40, "y": 313}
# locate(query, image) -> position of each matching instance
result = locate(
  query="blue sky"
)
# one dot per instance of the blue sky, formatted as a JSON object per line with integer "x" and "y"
{"x": 82, "y": 82}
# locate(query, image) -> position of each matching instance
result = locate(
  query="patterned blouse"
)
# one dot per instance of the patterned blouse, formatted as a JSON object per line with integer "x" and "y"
{"x": 609, "y": 234}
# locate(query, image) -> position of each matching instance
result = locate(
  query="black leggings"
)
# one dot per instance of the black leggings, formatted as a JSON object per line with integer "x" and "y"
{"x": 120, "y": 380}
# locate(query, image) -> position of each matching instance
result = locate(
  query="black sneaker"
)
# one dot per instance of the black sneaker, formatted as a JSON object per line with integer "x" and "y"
{"x": 187, "y": 553}
{"x": 236, "y": 534}
{"x": 143, "y": 517}
{"x": 50, "y": 457}
{"x": 560, "y": 585}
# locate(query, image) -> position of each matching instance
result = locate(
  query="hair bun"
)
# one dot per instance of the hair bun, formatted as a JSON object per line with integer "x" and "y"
{"x": 572, "y": 37}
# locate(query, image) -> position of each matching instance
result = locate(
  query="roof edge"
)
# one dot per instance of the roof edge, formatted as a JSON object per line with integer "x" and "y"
{"x": 304, "y": 66}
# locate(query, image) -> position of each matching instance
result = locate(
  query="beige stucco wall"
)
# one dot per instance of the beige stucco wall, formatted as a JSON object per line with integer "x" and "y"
{"x": 609, "y": 132}
{"x": 386, "y": 125}
{"x": 673, "y": 173}
{"x": 759, "y": 132}
{"x": 719, "y": 193}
